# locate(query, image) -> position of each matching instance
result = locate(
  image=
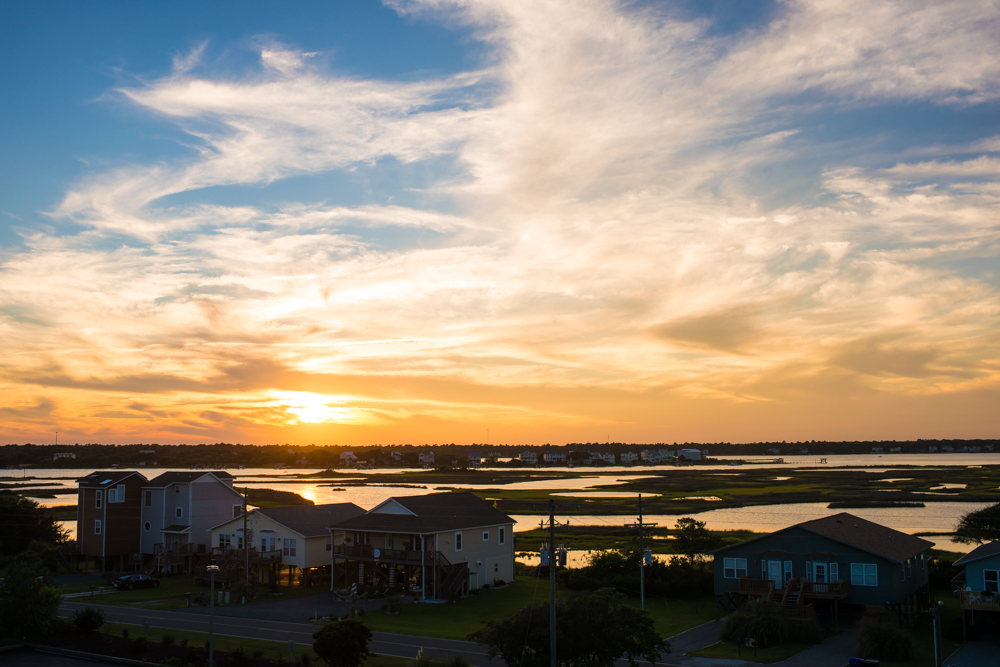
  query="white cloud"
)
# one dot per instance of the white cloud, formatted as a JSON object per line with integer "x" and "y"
{"x": 604, "y": 232}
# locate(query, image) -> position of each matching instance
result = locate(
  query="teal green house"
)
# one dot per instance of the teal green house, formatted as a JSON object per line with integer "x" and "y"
{"x": 825, "y": 563}
{"x": 980, "y": 591}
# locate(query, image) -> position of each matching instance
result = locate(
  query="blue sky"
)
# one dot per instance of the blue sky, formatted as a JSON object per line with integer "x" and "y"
{"x": 361, "y": 222}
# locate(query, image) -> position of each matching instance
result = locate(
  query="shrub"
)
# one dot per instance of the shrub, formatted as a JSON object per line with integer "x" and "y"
{"x": 190, "y": 655}
{"x": 168, "y": 640}
{"x": 238, "y": 657}
{"x": 125, "y": 632}
{"x": 486, "y": 587}
{"x": 140, "y": 645}
{"x": 456, "y": 661}
{"x": 499, "y": 582}
{"x": 882, "y": 641}
{"x": 88, "y": 619}
{"x": 758, "y": 620}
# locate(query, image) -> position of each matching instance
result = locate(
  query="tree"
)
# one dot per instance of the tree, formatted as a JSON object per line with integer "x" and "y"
{"x": 980, "y": 526}
{"x": 23, "y": 522}
{"x": 29, "y": 602}
{"x": 592, "y": 630}
{"x": 692, "y": 538}
{"x": 343, "y": 644}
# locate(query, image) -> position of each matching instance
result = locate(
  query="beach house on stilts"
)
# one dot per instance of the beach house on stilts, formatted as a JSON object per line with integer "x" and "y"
{"x": 442, "y": 545}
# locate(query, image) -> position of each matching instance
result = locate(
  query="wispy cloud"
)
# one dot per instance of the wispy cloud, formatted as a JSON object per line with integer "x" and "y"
{"x": 602, "y": 252}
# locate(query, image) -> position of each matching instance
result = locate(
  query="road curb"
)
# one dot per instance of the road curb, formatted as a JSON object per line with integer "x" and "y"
{"x": 90, "y": 656}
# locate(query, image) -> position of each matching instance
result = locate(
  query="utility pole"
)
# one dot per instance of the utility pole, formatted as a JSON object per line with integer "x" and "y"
{"x": 552, "y": 555}
{"x": 246, "y": 544}
{"x": 552, "y": 583}
{"x": 642, "y": 555}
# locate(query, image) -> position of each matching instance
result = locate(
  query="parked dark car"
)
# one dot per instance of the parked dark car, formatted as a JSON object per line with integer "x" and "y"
{"x": 130, "y": 581}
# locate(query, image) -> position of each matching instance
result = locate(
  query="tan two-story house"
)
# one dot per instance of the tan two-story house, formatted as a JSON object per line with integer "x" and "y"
{"x": 443, "y": 544}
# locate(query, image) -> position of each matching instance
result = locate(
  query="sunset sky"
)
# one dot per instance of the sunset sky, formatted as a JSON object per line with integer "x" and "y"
{"x": 359, "y": 223}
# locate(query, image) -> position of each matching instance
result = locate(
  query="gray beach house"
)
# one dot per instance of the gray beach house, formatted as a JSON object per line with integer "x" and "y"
{"x": 840, "y": 559}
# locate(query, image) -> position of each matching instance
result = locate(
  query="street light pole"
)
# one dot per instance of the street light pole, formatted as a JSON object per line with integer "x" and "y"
{"x": 212, "y": 569}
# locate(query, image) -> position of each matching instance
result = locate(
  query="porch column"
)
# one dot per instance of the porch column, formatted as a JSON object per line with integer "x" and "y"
{"x": 423, "y": 570}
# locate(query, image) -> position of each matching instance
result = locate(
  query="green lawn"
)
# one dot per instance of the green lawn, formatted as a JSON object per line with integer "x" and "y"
{"x": 730, "y": 650}
{"x": 457, "y": 620}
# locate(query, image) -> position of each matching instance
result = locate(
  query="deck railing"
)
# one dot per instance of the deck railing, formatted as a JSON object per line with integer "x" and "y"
{"x": 981, "y": 600}
{"x": 813, "y": 589}
{"x": 750, "y": 586}
{"x": 383, "y": 555}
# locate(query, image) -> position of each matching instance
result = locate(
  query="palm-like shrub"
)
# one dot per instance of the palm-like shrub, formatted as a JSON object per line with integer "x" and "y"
{"x": 882, "y": 641}
{"x": 758, "y": 620}
{"x": 88, "y": 619}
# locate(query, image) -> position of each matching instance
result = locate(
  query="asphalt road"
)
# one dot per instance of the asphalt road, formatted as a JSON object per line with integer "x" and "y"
{"x": 383, "y": 643}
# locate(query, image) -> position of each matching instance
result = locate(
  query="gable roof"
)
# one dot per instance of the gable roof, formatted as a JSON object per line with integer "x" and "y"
{"x": 980, "y": 552}
{"x": 186, "y": 477}
{"x": 859, "y": 533}
{"x": 306, "y": 520}
{"x": 432, "y": 513}
{"x": 102, "y": 478}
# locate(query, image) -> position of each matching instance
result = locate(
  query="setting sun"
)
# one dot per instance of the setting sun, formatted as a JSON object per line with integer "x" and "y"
{"x": 312, "y": 408}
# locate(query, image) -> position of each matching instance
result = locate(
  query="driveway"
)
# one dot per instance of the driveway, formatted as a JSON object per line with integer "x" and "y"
{"x": 976, "y": 654}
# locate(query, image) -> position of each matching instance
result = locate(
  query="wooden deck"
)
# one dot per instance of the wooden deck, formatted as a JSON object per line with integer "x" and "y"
{"x": 840, "y": 590}
{"x": 980, "y": 601}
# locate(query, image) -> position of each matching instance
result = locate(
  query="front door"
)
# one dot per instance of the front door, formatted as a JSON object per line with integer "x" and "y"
{"x": 774, "y": 572}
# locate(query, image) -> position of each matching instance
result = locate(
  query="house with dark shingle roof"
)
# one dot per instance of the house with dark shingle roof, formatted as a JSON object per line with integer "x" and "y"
{"x": 981, "y": 588}
{"x": 836, "y": 559}
{"x": 179, "y": 508}
{"x": 107, "y": 515}
{"x": 296, "y": 537}
{"x": 445, "y": 543}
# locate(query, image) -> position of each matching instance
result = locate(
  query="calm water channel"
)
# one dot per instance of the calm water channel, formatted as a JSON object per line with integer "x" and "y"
{"x": 936, "y": 517}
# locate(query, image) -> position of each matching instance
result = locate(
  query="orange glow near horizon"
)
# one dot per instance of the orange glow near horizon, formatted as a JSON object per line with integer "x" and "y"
{"x": 610, "y": 222}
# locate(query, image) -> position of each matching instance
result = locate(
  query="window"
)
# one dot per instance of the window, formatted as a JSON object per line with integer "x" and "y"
{"x": 117, "y": 494}
{"x": 991, "y": 580}
{"x": 180, "y": 512}
{"x": 97, "y": 527}
{"x": 225, "y": 541}
{"x": 274, "y": 544}
{"x": 329, "y": 545}
{"x": 909, "y": 568}
{"x": 486, "y": 536}
{"x": 289, "y": 547}
{"x": 834, "y": 573}
{"x": 864, "y": 574}
{"x": 239, "y": 541}
{"x": 496, "y": 567}
{"x": 263, "y": 544}
{"x": 147, "y": 526}
{"x": 98, "y": 499}
{"x": 237, "y": 510}
{"x": 458, "y": 541}
{"x": 503, "y": 535}
{"x": 787, "y": 571}
{"x": 734, "y": 568}
{"x": 177, "y": 489}
{"x": 149, "y": 499}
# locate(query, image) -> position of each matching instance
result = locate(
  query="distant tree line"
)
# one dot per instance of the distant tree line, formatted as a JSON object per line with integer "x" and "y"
{"x": 221, "y": 454}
